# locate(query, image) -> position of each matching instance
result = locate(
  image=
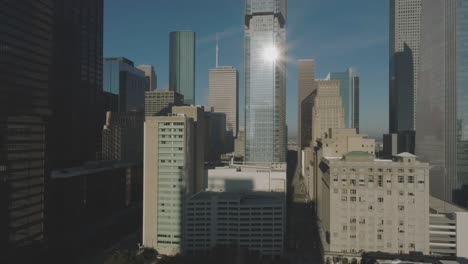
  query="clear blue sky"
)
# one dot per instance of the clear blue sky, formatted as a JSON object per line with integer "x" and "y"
{"x": 336, "y": 33}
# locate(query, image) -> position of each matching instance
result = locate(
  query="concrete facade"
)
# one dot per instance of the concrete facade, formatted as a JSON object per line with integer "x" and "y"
{"x": 256, "y": 221}
{"x": 224, "y": 96}
{"x": 327, "y": 109}
{"x": 168, "y": 177}
{"x": 305, "y": 87}
{"x": 370, "y": 205}
{"x": 248, "y": 178}
{"x": 159, "y": 102}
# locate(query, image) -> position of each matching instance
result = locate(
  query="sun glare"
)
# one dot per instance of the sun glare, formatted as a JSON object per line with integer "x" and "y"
{"x": 271, "y": 54}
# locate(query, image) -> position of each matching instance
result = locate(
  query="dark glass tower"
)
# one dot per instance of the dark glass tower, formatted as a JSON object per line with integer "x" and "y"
{"x": 182, "y": 64}
{"x": 26, "y": 43}
{"x": 76, "y": 83}
{"x": 442, "y": 112}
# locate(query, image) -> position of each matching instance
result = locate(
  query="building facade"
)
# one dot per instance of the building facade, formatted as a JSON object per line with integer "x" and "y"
{"x": 182, "y": 64}
{"x": 215, "y": 135}
{"x": 442, "y": 134}
{"x": 349, "y": 92}
{"x": 121, "y": 78}
{"x": 239, "y": 143}
{"x": 265, "y": 80}
{"x": 246, "y": 177}
{"x": 254, "y": 221}
{"x": 224, "y": 95}
{"x": 305, "y": 87}
{"x": 25, "y": 68}
{"x": 405, "y": 24}
{"x": 327, "y": 109}
{"x": 169, "y": 141}
{"x": 371, "y": 205}
{"x": 159, "y": 102}
{"x": 122, "y": 137}
{"x": 150, "y": 74}
{"x": 197, "y": 114}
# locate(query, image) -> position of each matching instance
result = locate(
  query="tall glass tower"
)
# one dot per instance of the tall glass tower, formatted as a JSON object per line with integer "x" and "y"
{"x": 349, "y": 91}
{"x": 182, "y": 64}
{"x": 442, "y": 110}
{"x": 265, "y": 80}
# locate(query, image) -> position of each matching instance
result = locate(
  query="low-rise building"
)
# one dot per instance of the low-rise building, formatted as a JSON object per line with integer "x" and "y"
{"x": 248, "y": 178}
{"x": 255, "y": 221}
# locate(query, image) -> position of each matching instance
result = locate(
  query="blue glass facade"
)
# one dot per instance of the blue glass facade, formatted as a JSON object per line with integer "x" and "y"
{"x": 125, "y": 81}
{"x": 265, "y": 75}
{"x": 349, "y": 91}
{"x": 182, "y": 64}
{"x": 442, "y": 109}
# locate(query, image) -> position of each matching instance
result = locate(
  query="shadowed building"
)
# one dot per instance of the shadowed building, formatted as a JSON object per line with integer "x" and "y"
{"x": 151, "y": 78}
{"x": 305, "y": 87}
{"x": 442, "y": 133}
{"x": 159, "y": 102}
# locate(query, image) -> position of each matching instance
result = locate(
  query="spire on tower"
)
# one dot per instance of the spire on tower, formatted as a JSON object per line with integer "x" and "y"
{"x": 217, "y": 50}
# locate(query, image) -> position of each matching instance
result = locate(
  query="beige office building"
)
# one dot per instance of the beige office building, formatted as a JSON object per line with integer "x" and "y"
{"x": 338, "y": 142}
{"x": 168, "y": 177}
{"x": 224, "y": 95}
{"x": 327, "y": 109}
{"x": 159, "y": 102}
{"x": 305, "y": 87}
{"x": 150, "y": 75}
{"x": 239, "y": 144}
{"x": 371, "y": 205}
{"x": 197, "y": 114}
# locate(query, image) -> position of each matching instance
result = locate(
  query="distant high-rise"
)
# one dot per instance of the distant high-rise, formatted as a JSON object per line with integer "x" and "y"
{"x": 159, "y": 102}
{"x": 305, "y": 87}
{"x": 168, "y": 177}
{"x": 26, "y": 43}
{"x": 349, "y": 92}
{"x": 224, "y": 94}
{"x": 121, "y": 78}
{"x": 265, "y": 80}
{"x": 182, "y": 64}
{"x": 327, "y": 109}
{"x": 405, "y": 20}
{"x": 150, "y": 75}
{"x": 442, "y": 111}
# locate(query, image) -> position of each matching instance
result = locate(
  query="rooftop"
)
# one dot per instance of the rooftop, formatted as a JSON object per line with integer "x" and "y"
{"x": 90, "y": 168}
{"x": 244, "y": 198}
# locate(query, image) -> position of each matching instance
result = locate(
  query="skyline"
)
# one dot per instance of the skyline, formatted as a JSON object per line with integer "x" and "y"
{"x": 334, "y": 47}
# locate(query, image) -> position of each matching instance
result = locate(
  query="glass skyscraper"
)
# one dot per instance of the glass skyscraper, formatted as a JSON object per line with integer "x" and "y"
{"x": 442, "y": 110}
{"x": 182, "y": 64}
{"x": 265, "y": 80}
{"x": 349, "y": 91}
{"x": 125, "y": 81}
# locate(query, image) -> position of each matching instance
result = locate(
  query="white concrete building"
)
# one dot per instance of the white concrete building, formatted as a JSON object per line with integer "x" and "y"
{"x": 255, "y": 221}
{"x": 248, "y": 178}
{"x": 370, "y": 205}
{"x": 448, "y": 229}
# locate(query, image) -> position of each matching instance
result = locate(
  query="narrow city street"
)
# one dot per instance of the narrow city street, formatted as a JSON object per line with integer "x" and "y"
{"x": 303, "y": 243}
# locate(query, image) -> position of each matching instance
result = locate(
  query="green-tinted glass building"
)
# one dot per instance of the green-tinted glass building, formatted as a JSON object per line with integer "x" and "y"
{"x": 182, "y": 64}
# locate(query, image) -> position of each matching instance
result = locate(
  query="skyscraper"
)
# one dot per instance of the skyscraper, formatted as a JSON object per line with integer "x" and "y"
{"x": 224, "y": 97}
{"x": 182, "y": 64}
{"x": 305, "y": 87}
{"x": 349, "y": 92}
{"x": 159, "y": 102}
{"x": 25, "y": 66}
{"x": 76, "y": 83}
{"x": 442, "y": 112}
{"x": 150, "y": 76}
{"x": 121, "y": 78}
{"x": 265, "y": 80}
{"x": 168, "y": 177}
{"x": 405, "y": 19}
{"x": 327, "y": 109}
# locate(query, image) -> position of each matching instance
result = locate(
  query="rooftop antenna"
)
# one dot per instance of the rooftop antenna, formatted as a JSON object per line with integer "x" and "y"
{"x": 217, "y": 50}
